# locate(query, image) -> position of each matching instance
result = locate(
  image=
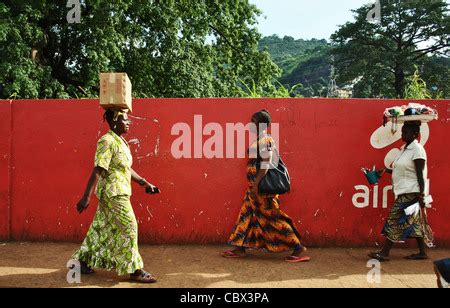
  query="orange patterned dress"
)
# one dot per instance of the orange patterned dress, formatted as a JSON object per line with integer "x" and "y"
{"x": 261, "y": 223}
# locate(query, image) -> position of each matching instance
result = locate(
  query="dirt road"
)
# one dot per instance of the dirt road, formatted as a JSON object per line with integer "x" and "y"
{"x": 44, "y": 265}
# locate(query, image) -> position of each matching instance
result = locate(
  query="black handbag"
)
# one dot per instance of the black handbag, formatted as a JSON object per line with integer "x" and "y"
{"x": 277, "y": 180}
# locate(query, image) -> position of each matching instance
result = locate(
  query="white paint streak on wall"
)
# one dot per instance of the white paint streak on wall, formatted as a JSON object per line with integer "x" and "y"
{"x": 150, "y": 213}
{"x": 158, "y": 138}
{"x": 158, "y": 141}
{"x": 141, "y": 157}
{"x": 135, "y": 117}
{"x": 135, "y": 141}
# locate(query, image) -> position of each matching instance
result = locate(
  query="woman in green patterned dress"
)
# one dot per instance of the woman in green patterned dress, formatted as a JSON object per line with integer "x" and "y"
{"x": 112, "y": 239}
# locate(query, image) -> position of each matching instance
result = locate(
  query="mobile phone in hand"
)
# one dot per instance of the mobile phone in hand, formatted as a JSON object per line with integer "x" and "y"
{"x": 151, "y": 191}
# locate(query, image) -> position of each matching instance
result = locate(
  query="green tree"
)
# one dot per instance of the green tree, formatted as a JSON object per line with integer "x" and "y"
{"x": 168, "y": 48}
{"x": 436, "y": 72}
{"x": 305, "y": 64}
{"x": 382, "y": 54}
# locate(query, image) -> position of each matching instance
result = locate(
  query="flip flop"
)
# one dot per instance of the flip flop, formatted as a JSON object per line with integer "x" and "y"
{"x": 295, "y": 259}
{"x": 143, "y": 277}
{"x": 230, "y": 254}
{"x": 417, "y": 257}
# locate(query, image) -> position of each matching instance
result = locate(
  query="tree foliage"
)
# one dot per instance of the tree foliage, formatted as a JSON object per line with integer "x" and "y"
{"x": 416, "y": 87}
{"x": 381, "y": 55}
{"x": 168, "y": 48}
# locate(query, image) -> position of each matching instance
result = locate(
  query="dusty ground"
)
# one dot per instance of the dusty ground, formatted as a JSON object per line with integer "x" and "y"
{"x": 43, "y": 265}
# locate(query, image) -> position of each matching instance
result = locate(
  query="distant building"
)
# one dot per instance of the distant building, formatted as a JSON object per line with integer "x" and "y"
{"x": 344, "y": 93}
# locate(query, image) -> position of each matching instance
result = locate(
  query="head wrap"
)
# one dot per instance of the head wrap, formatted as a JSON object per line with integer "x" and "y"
{"x": 118, "y": 113}
{"x": 113, "y": 114}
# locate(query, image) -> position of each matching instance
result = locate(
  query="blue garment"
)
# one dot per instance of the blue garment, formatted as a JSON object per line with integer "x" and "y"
{"x": 443, "y": 267}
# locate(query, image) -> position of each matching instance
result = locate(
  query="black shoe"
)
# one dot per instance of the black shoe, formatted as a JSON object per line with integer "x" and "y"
{"x": 378, "y": 256}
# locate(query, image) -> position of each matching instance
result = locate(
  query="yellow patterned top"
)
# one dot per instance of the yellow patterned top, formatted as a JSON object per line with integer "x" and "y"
{"x": 265, "y": 144}
{"x": 113, "y": 155}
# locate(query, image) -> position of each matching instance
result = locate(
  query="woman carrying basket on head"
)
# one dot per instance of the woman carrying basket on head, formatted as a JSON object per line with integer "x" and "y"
{"x": 409, "y": 174}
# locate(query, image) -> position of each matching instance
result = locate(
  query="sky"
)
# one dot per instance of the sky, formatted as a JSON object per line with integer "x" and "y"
{"x": 305, "y": 19}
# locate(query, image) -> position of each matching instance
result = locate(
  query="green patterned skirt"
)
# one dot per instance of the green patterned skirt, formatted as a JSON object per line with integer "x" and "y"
{"x": 399, "y": 227}
{"x": 112, "y": 240}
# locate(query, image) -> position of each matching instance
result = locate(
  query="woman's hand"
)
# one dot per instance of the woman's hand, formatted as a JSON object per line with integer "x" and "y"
{"x": 381, "y": 172}
{"x": 93, "y": 179}
{"x": 83, "y": 204}
{"x": 150, "y": 188}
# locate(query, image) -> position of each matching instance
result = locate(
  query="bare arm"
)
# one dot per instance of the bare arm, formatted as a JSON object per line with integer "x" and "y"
{"x": 135, "y": 177}
{"x": 93, "y": 179}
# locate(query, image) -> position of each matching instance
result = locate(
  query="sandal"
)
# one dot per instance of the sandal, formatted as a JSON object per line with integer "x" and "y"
{"x": 143, "y": 277}
{"x": 418, "y": 256}
{"x": 295, "y": 259}
{"x": 378, "y": 256}
{"x": 231, "y": 254}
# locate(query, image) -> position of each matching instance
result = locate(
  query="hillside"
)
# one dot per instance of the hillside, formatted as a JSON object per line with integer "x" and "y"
{"x": 301, "y": 61}
{"x": 308, "y": 62}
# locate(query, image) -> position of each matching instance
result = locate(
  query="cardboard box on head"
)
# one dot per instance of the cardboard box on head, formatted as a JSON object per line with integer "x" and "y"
{"x": 115, "y": 91}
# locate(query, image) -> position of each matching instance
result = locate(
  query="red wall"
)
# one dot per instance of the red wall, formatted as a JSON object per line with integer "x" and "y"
{"x": 324, "y": 143}
{"x": 5, "y": 157}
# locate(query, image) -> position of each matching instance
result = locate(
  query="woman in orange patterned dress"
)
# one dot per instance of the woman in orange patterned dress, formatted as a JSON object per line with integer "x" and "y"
{"x": 261, "y": 223}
